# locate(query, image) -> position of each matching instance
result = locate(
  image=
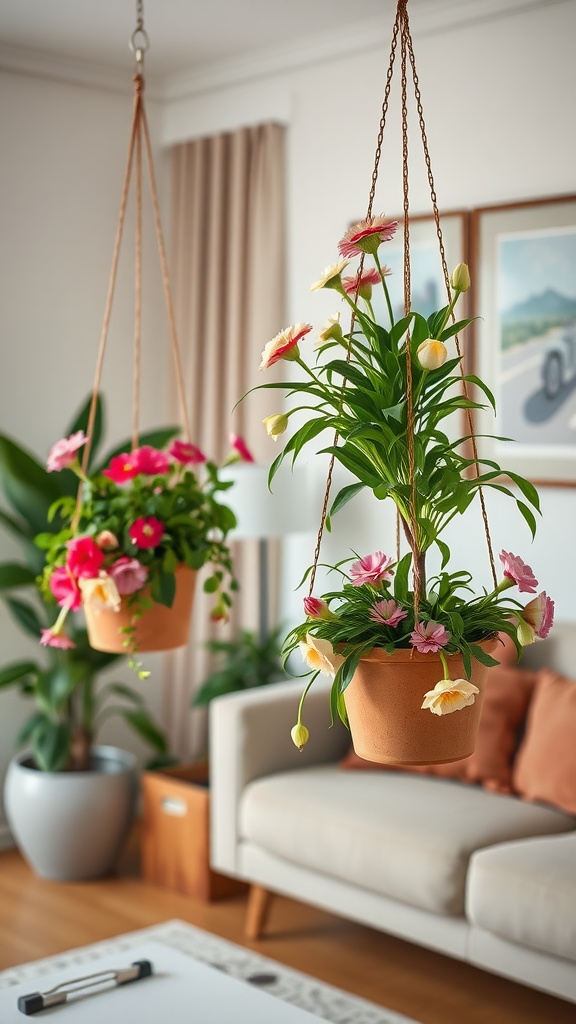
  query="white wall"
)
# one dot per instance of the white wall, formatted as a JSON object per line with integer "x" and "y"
{"x": 64, "y": 151}
{"x": 498, "y": 99}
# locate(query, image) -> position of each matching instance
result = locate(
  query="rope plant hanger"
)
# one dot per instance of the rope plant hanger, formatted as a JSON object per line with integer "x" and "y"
{"x": 142, "y": 526}
{"x": 397, "y": 652}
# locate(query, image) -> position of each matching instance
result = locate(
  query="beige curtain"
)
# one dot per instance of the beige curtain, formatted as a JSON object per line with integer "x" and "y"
{"x": 228, "y": 273}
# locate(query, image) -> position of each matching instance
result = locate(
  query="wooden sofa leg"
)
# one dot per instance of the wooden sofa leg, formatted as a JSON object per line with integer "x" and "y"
{"x": 257, "y": 910}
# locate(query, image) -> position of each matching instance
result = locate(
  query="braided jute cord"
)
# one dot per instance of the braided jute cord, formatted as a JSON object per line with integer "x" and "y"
{"x": 401, "y": 29}
{"x": 138, "y": 131}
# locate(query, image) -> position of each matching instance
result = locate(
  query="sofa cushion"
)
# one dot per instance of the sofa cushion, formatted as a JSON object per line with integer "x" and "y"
{"x": 401, "y": 835}
{"x": 545, "y": 768}
{"x": 506, "y": 699}
{"x": 524, "y": 892}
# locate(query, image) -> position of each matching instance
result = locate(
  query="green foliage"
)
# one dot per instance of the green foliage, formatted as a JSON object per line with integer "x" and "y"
{"x": 242, "y": 664}
{"x": 62, "y": 684}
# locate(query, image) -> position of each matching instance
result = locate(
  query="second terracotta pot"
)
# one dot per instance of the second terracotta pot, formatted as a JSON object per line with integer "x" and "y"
{"x": 383, "y": 704}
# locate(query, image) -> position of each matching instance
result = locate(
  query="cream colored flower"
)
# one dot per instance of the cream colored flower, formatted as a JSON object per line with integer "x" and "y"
{"x": 276, "y": 424}
{"x": 100, "y": 592}
{"x": 299, "y": 735}
{"x": 450, "y": 695}
{"x": 319, "y": 655}
{"x": 431, "y": 354}
{"x": 331, "y": 276}
{"x": 331, "y": 331}
{"x": 460, "y": 280}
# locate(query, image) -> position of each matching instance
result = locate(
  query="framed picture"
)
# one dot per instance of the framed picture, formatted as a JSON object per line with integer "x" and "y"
{"x": 524, "y": 276}
{"x": 428, "y": 288}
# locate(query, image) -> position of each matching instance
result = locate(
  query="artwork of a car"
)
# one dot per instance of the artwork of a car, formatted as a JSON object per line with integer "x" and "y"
{"x": 559, "y": 366}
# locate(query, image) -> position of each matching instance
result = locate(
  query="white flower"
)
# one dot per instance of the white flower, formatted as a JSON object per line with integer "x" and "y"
{"x": 319, "y": 655}
{"x": 450, "y": 695}
{"x": 100, "y": 592}
{"x": 329, "y": 276}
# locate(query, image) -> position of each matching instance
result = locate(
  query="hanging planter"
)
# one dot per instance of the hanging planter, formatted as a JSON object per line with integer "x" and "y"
{"x": 146, "y": 521}
{"x": 384, "y": 708}
{"x": 383, "y": 391}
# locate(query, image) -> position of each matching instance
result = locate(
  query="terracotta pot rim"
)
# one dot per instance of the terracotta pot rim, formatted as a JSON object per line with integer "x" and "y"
{"x": 404, "y": 654}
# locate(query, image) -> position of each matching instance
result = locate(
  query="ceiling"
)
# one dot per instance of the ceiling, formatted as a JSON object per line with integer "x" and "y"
{"x": 188, "y": 37}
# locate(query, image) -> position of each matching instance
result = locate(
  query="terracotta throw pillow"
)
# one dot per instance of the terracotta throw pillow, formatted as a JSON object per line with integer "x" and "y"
{"x": 506, "y": 699}
{"x": 545, "y": 769}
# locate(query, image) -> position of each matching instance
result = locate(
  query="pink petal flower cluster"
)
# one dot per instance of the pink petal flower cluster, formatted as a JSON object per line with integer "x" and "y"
{"x": 146, "y": 532}
{"x": 520, "y": 573}
{"x": 64, "y": 452}
{"x": 65, "y": 589}
{"x": 50, "y": 638}
{"x": 366, "y": 236}
{"x": 84, "y": 557}
{"x": 362, "y": 283}
{"x": 146, "y": 460}
{"x": 284, "y": 345}
{"x": 388, "y": 613}
{"x": 186, "y": 453}
{"x": 240, "y": 447}
{"x": 122, "y": 468}
{"x": 539, "y": 614}
{"x": 429, "y": 637}
{"x": 128, "y": 574}
{"x": 371, "y": 569}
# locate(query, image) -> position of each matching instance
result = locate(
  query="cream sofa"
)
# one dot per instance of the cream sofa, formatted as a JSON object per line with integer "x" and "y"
{"x": 482, "y": 877}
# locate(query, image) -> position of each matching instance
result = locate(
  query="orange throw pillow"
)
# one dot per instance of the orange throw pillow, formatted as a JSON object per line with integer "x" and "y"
{"x": 545, "y": 769}
{"x": 506, "y": 699}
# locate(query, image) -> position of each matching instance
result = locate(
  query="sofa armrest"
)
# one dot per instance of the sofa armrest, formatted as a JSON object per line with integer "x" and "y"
{"x": 250, "y": 738}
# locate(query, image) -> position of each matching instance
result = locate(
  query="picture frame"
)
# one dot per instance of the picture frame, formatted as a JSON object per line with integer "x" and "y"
{"x": 523, "y": 263}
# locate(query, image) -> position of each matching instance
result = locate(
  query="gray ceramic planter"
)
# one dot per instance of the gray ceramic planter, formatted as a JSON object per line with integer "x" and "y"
{"x": 70, "y": 825}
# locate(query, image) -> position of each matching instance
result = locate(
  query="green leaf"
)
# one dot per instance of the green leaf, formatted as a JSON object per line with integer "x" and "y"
{"x": 26, "y": 616}
{"x": 482, "y": 657}
{"x": 528, "y": 516}
{"x": 17, "y": 672}
{"x": 211, "y": 585}
{"x": 528, "y": 489}
{"x": 143, "y": 724}
{"x": 51, "y": 745}
{"x": 169, "y": 562}
{"x": 344, "y": 496}
{"x": 456, "y": 328}
{"x": 163, "y": 588}
{"x": 14, "y": 575}
{"x": 444, "y": 551}
{"x": 29, "y": 488}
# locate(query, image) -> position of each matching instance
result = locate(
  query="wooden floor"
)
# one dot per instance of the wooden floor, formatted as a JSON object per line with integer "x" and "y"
{"x": 40, "y": 918}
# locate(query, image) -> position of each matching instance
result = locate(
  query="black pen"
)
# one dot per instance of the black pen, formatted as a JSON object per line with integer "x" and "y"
{"x": 36, "y": 1001}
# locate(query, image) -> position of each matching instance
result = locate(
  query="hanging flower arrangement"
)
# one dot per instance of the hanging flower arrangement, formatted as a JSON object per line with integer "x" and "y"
{"x": 139, "y": 520}
{"x": 384, "y": 391}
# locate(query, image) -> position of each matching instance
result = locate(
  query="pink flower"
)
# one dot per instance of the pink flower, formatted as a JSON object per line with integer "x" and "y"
{"x": 128, "y": 574}
{"x": 84, "y": 557}
{"x": 371, "y": 569}
{"x": 122, "y": 467}
{"x": 241, "y": 448}
{"x": 429, "y": 637}
{"x": 186, "y": 453}
{"x": 50, "y": 638}
{"x": 520, "y": 573}
{"x": 362, "y": 282}
{"x": 366, "y": 236}
{"x": 388, "y": 613}
{"x": 150, "y": 461}
{"x": 284, "y": 345}
{"x": 65, "y": 588}
{"x": 63, "y": 453}
{"x": 316, "y": 608}
{"x": 539, "y": 613}
{"x": 146, "y": 532}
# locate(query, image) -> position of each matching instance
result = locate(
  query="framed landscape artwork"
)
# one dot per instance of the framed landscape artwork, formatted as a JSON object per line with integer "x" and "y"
{"x": 524, "y": 278}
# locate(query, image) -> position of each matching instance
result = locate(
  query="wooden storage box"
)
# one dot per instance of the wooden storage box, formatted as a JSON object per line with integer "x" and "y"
{"x": 175, "y": 834}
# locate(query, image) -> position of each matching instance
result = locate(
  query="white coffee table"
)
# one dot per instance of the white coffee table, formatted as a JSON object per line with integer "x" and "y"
{"x": 181, "y": 989}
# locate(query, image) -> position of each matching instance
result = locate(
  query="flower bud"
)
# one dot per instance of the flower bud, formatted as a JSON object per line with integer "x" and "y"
{"x": 431, "y": 354}
{"x": 300, "y": 735}
{"x": 106, "y": 540}
{"x": 460, "y": 280}
{"x": 316, "y": 608}
{"x": 525, "y": 632}
{"x": 332, "y": 331}
{"x": 276, "y": 424}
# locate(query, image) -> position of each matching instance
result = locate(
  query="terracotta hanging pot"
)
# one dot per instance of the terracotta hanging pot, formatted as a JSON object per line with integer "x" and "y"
{"x": 159, "y": 629}
{"x": 383, "y": 704}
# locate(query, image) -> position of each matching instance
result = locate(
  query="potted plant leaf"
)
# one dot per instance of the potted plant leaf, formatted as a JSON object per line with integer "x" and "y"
{"x": 405, "y": 649}
{"x": 241, "y": 664}
{"x": 69, "y": 703}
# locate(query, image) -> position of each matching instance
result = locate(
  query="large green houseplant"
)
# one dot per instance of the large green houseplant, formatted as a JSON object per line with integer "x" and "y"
{"x": 62, "y": 684}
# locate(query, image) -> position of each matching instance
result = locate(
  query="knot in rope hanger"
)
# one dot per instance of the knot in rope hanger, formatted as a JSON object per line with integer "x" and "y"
{"x": 139, "y": 43}
{"x": 401, "y": 33}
